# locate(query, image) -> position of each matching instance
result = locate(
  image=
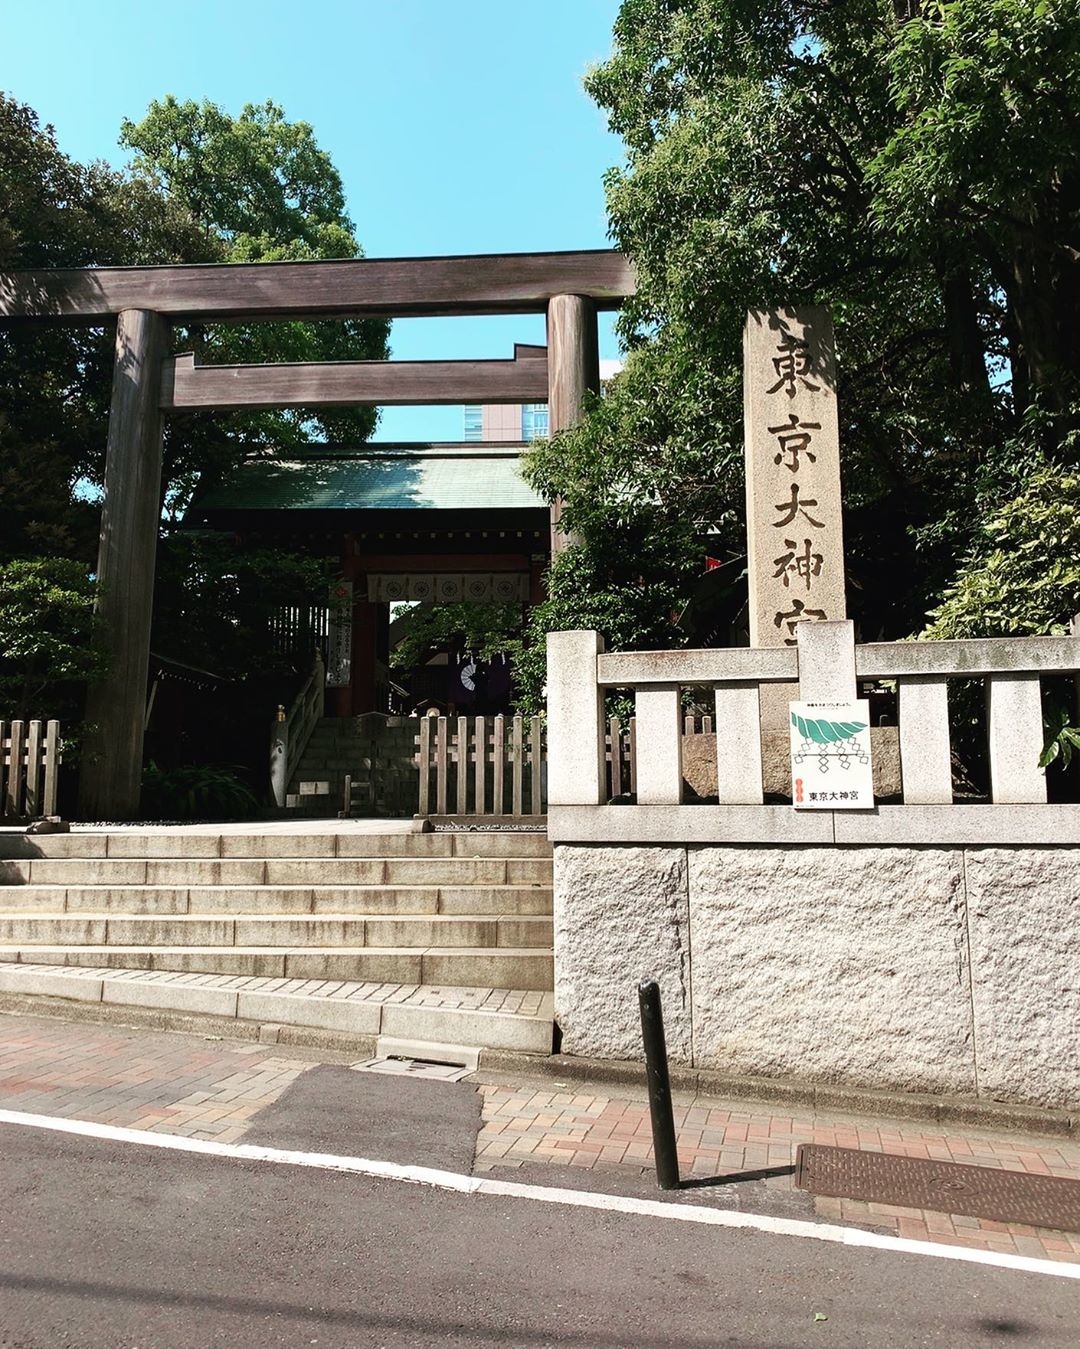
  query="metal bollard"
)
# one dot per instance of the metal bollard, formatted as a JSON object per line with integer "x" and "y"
{"x": 656, "y": 1072}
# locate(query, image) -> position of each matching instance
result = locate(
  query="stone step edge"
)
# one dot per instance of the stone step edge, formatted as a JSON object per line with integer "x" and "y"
{"x": 10, "y": 953}
{"x": 361, "y": 1017}
{"x": 263, "y": 916}
{"x": 465, "y": 846}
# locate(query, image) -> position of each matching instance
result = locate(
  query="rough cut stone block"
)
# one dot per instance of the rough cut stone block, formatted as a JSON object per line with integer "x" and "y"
{"x": 278, "y": 845}
{"x": 395, "y": 845}
{"x": 490, "y": 1030}
{"x": 317, "y": 871}
{"x": 1024, "y": 917}
{"x": 274, "y": 931}
{"x": 25, "y": 979}
{"x": 130, "y": 899}
{"x": 842, "y": 965}
{"x": 50, "y": 930}
{"x": 620, "y": 916}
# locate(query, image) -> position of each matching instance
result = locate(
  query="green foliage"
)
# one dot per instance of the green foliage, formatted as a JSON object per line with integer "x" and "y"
{"x": 214, "y": 602}
{"x": 259, "y": 189}
{"x": 888, "y": 161}
{"x": 56, "y": 380}
{"x": 1063, "y": 738}
{"x": 630, "y": 602}
{"x": 46, "y": 643}
{"x": 481, "y": 630}
{"x": 255, "y": 187}
{"x": 197, "y": 792}
{"x": 986, "y": 158}
{"x": 1022, "y": 576}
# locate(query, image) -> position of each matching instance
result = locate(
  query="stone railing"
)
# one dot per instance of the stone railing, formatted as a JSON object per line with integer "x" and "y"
{"x": 290, "y": 731}
{"x": 828, "y": 668}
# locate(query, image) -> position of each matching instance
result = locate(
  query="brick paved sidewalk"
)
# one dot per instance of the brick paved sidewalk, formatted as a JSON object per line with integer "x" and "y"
{"x": 180, "y": 1083}
{"x": 611, "y": 1131}
{"x": 139, "y": 1079}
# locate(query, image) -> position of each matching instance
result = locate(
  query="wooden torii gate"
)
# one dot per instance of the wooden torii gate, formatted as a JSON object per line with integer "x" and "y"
{"x": 569, "y": 287}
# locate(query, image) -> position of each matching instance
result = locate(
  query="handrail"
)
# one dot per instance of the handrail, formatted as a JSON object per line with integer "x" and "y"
{"x": 289, "y": 735}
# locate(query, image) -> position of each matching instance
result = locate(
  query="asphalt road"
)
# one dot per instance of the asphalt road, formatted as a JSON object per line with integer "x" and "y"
{"x": 107, "y": 1245}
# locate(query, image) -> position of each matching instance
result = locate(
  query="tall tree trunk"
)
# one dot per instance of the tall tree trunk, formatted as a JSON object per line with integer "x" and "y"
{"x": 967, "y": 354}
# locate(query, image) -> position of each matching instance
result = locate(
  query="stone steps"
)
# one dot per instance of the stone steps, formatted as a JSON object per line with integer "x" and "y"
{"x": 163, "y": 842}
{"x": 271, "y": 930}
{"x": 511, "y": 1019}
{"x": 137, "y": 915}
{"x": 276, "y": 871}
{"x": 461, "y": 900}
{"x": 486, "y": 967}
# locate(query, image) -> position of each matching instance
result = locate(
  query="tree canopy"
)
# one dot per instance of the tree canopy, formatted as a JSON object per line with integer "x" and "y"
{"x": 201, "y": 186}
{"x": 258, "y": 188}
{"x": 913, "y": 166}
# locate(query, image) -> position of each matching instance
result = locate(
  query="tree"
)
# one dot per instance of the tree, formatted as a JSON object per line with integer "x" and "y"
{"x": 47, "y": 646}
{"x": 56, "y": 380}
{"x": 886, "y": 160}
{"x": 424, "y": 630}
{"x": 214, "y": 602}
{"x": 259, "y": 189}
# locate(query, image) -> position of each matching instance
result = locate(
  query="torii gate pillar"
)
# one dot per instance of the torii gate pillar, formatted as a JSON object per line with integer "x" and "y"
{"x": 111, "y": 776}
{"x": 573, "y": 371}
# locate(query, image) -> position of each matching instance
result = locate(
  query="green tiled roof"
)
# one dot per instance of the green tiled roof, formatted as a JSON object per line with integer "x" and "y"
{"x": 441, "y": 478}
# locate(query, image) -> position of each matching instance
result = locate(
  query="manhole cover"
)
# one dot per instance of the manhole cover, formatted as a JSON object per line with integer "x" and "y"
{"x": 949, "y": 1187}
{"x": 436, "y": 1072}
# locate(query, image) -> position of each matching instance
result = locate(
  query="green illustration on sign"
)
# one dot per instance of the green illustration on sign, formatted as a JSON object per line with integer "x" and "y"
{"x": 825, "y": 732}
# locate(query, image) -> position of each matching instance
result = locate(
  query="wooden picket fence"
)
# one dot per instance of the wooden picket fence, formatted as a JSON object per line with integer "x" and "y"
{"x": 29, "y": 768}
{"x": 482, "y": 766}
{"x": 509, "y": 774}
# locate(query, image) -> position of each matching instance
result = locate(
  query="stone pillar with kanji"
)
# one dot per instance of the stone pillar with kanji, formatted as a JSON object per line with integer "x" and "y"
{"x": 795, "y": 542}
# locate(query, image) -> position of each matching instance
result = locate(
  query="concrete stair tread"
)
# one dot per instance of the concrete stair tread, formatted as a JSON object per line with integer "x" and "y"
{"x": 518, "y": 1019}
{"x": 502, "y": 951}
{"x": 339, "y": 844}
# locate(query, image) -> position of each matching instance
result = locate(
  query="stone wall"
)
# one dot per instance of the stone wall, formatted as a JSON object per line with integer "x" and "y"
{"x": 939, "y": 969}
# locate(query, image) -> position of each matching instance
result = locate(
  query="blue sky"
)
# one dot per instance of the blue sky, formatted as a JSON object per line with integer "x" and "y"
{"x": 457, "y": 127}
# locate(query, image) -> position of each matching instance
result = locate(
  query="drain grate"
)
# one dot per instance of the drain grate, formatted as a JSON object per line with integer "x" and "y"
{"x": 949, "y": 1187}
{"x": 397, "y": 1067}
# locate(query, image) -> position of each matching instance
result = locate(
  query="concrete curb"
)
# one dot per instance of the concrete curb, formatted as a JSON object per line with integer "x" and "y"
{"x": 990, "y": 1115}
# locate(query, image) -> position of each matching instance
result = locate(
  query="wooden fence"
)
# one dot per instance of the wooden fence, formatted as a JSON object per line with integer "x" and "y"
{"x": 482, "y": 766}
{"x": 509, "y": 776}
{"x": 29, "y": 768}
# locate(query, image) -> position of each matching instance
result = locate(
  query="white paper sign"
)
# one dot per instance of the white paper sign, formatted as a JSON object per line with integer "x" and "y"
{"x": 830, "y": 756}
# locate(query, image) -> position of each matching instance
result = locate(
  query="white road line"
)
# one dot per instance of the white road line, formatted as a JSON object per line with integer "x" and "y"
{"x": 543, "y": 1194}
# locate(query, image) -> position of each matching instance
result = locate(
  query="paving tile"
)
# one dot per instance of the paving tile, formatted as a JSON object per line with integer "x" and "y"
{"x": 590, "y": 1131}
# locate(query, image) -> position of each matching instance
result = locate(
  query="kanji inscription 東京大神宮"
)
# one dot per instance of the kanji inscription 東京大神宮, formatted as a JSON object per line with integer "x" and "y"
{"x": 794, "y": 531}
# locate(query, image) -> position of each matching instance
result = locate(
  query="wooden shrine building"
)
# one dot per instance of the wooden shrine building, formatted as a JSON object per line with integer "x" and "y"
{"x": 438, "y": 523}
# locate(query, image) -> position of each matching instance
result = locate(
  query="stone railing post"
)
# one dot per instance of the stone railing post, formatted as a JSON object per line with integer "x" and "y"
{"x": 575, "y": 704}
{"x": 826, "y": 661}
{"x": 279, "y": 757}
